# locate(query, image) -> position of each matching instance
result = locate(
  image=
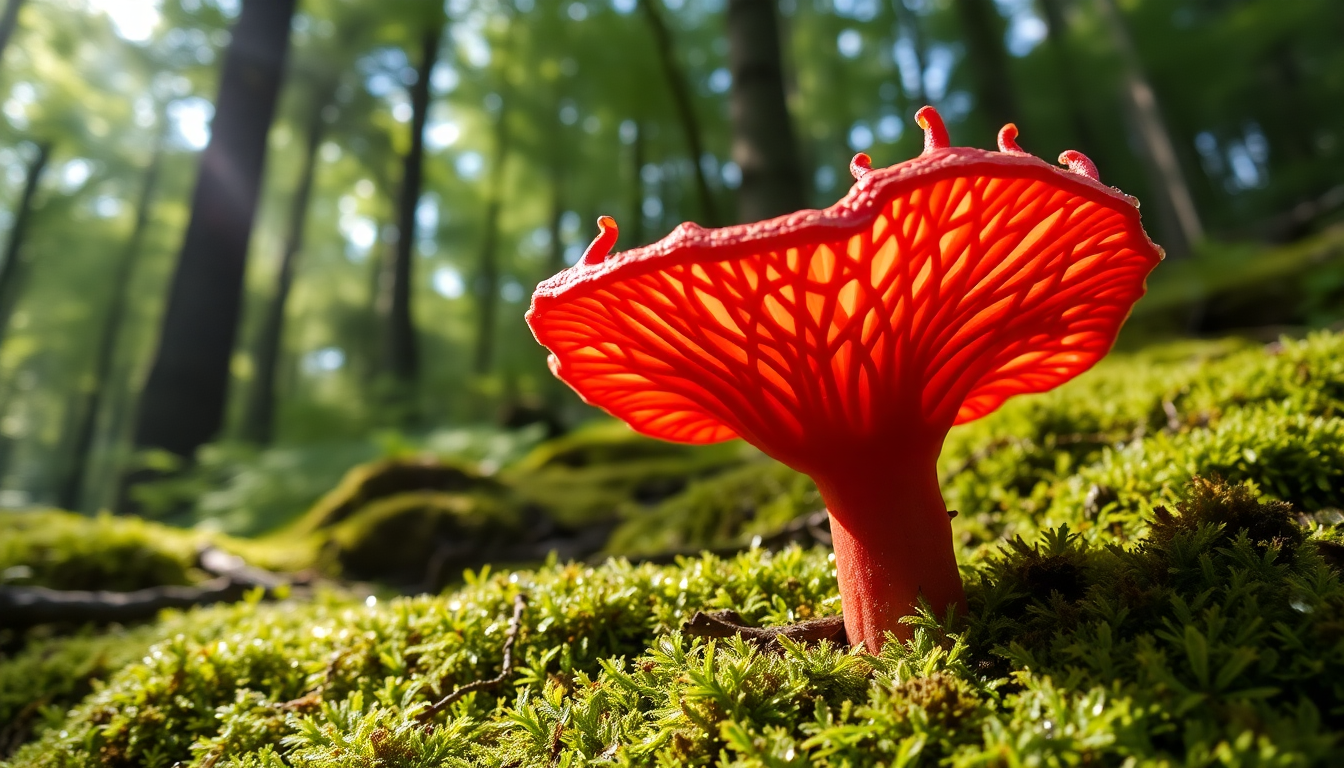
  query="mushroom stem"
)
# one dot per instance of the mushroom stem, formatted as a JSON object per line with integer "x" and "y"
{"x": 893, "y": 544}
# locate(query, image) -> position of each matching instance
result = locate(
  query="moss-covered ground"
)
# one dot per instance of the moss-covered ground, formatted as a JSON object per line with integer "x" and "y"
{"x": 1152, "y": 557}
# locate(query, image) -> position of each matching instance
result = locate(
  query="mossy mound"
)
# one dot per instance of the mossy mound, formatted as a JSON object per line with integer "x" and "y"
{"x": 62, "y": 550}
{"x": 376, "y": 481}
{"x": 421, "y": 540}
{"x": 1216, "y": 639}
{"x": 757, "y": 498}
{"x": 606, "y": 470}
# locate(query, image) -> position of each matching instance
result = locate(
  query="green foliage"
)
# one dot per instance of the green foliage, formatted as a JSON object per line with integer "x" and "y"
{"x": 67, "y": 551}
{"x": 42, "y": 681}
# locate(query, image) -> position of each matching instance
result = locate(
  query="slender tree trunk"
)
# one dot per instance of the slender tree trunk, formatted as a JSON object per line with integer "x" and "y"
{"x": 555, "y": 258}
{"x": 9, "y": 21}
{"x": 983, "y": 30}
{"x": 182, "y": 404}
{"x": 15, "y": 265}
{"x": 1177, "y": 216}
{"x": 259, "y": 419}
{"x": 553, "y": 388}
{"x": 763, "y": 142}
{"x": 488, "y": 271}
{"x": 72, "y": 487}
{"x": 399, "y": 353}
{"x": 637, "y": 159}
{"x": 681, "y": 100}
{"x": 910, "y": 22}
{"x": 1056, "y": 27}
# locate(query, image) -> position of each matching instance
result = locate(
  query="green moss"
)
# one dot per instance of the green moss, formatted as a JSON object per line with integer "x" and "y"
{"x": 401, "y": 538}
{"x": 370, "y": 483}
{"x": 68, "y": 551}
{"x": 1218, "y": 638}
{"x": 757, "y": 498}
{"x": 606, "y": 469}
{"x": 39, "y": 683}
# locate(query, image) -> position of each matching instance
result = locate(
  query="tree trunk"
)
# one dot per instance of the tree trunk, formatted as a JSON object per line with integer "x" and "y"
{"x": 909, "y": 21}
{"x": 983, "y": 30}
{"x": 681, "y": 100}
{"x": 182, "y": 405}
{"x": 9, "y": 21}
{"x": 259, "y": 419}
{"x": 72, "y": 487}
{"x": 1178, "y": 219}
{"x": 1056, "y": 27}
{"x": 399, "y": 353}
{"x": 488, "y": 272}
{"x": 763, "y": 142}
{"x": 14, "y": 267}
{"x": 635, "y": 238}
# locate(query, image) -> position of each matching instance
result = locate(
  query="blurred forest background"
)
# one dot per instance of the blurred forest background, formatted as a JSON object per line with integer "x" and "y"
{"x": 249, "y": 244}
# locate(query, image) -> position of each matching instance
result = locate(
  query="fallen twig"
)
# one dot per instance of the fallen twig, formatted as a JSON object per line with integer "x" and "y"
{"x": 29, "y": 606}
{"x": 506, "y": 669}
{"x": 22, "y": 607}
{"x": 217, "y": 562}
{"x": 729, "y": 623}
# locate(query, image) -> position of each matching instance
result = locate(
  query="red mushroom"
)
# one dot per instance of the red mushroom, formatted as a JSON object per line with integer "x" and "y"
{"x": 846, "y": 342}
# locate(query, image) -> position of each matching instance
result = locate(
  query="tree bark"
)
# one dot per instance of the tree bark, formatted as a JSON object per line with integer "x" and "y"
{"x": 983, "y": 30}
{"x": 763, "y": 141}
{"x": 71, "y": 491}
{"x": 635, "y": 238}
{"x": 259, "y": 418}
{"x": 1056, "y": 27}
{"x": 909, "y": 20}
{"x": 9, "y": 21}
{"x": 399, "y": 353}
{"x": 182, "y": 404}
{"x": 1177, "y": 216}
{"x": 488, "y": 271}
{"x": 14, "y": 267}
{"x": 681, "y": 100}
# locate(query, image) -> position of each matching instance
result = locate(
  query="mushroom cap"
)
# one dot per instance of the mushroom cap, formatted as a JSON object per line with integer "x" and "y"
{"x": 931, "y": 293}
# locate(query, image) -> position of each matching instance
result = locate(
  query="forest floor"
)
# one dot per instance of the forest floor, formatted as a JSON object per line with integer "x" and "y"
{"x": 1152, "y": 556}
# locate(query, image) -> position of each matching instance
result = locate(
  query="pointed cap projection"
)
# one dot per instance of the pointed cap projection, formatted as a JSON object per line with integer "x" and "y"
{"x": 932, "y": 292}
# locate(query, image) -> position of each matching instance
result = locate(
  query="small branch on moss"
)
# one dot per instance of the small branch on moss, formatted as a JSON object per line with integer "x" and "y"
{"x": 29, "y": 606}
{"x": 22, "y": 607}
{"x": 217, "y": 562}
{"x": 506, "y": 669}
{"x": 729, "y": 623}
